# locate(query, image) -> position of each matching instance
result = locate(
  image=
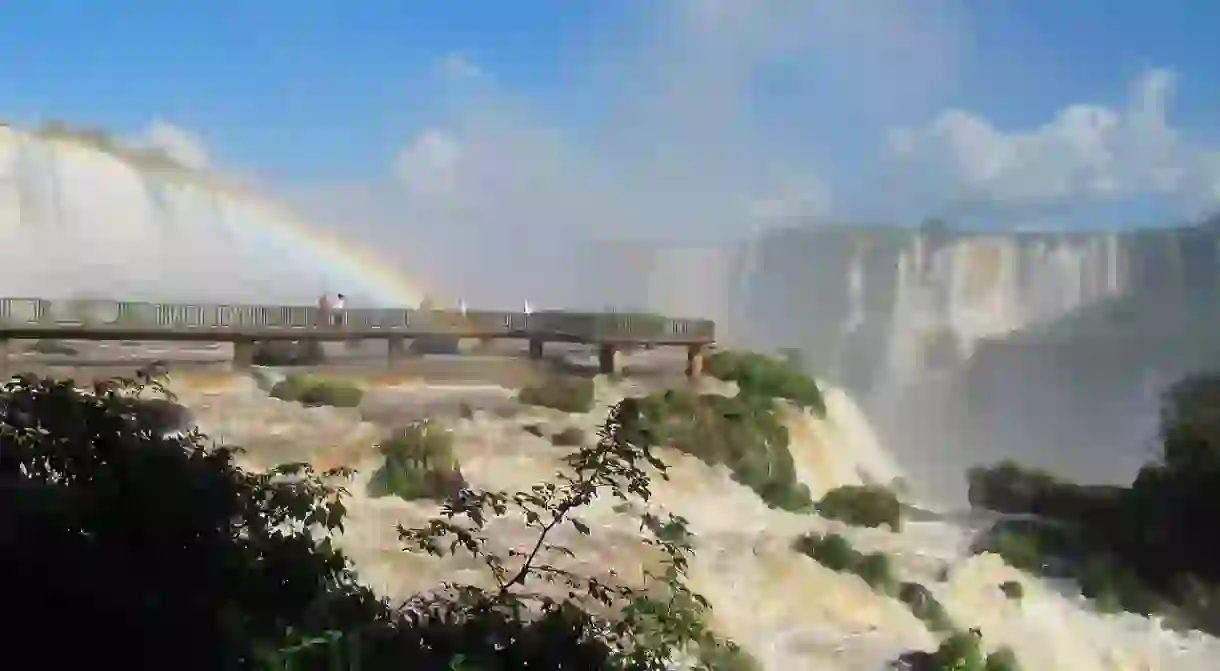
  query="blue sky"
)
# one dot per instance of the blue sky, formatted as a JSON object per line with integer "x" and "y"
{"x": 699, "y": 112}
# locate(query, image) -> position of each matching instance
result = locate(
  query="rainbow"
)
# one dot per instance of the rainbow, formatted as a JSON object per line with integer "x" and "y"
{"x": 345, "y": 263}
{"x": 342, "y": 262}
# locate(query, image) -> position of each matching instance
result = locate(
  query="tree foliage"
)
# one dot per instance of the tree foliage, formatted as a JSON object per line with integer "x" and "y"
{"x": 145, "y": 548}
{"x": 127, "y": 545}
{"x": 1136, "y": 547}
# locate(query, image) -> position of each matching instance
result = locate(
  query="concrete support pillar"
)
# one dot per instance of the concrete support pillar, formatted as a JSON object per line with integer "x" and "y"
{"x": 694, "y": 361}
{"x": 6, "y": 368}
{"x": 396, "y": 349}
{"x": 608, "y": 359}
{"x": 243, "y": 354}
{"x": 535, "y": 349}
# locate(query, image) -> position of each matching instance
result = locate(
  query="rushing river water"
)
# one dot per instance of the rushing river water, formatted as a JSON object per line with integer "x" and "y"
{"x": 787, "y": 610}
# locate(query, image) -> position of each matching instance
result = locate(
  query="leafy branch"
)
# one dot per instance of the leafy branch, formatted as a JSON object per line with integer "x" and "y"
{"x": 643, "y": 629}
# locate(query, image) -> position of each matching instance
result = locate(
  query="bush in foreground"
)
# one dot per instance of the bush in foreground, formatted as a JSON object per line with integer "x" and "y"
{"x": 862, "y": 506}
{"x": 144, "y": 548}
{"x": 419, "y": 464}
{"x": 315, "y": 391}
{"x": 566, "y": 393}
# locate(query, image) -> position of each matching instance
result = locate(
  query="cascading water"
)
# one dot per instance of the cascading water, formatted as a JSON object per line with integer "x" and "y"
{"x": 787, "y": 610}
{"x": 79, "y": 218}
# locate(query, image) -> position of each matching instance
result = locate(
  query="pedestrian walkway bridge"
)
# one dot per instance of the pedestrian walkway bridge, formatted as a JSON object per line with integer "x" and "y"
{"x": 247, "y": 325}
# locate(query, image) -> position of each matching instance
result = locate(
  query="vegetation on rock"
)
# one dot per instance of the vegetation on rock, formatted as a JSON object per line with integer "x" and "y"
{"x": 961, "y": 651}
{"x": 567, "y": 393}
{"x": 862, "y": 506}
{"x": 419, "y": 464}
{"x": 743, "y": 433}
{"x": 836, "y": 553}
{"x": 761, "y": 375}
{"x": 925, "y": 606}
{"x": 1137, "y": 547}
{"x": 310, "y": 390}
{"x": 1013, "y": 590}
{"x": 957, "y": 652}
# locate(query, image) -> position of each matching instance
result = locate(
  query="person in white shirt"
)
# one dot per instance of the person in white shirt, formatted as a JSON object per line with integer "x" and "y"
{"x": 340, "y": 301}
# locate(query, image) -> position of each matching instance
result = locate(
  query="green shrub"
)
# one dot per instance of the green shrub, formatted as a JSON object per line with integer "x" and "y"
{"x": 760, "y": 375}
{"x": 1013, "y": 590}
{"x": 862, "y": 505}
{"x": 570, "y": 437}
{"x": 743, "y": 433}
{"x": 1003, "y": 659}
{"x": 836, "y": 553}
{"x": 315, "y": 391}
{"x": 877, "y": 569}
{"x": 561, "y": 392}
{"x": 959, "y": 652}
{"x": 832, "y": 551}
{"x": 925, "y": 606}
{"x": 419, "y": 464}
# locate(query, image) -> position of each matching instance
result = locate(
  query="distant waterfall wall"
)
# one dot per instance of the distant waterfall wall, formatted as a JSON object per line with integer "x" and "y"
{"x": 78, "y": 217}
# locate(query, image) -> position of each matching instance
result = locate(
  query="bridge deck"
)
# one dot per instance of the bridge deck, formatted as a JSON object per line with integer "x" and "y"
{"x": 114, "y": 320}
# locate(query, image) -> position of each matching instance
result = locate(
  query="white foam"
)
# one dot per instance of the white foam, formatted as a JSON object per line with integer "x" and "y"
{"x": 786, "y": 609}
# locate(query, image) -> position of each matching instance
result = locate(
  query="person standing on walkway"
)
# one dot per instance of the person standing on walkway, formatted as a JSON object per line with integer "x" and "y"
{"x": 323, "y": 309}
{"x": 340, "y": 302}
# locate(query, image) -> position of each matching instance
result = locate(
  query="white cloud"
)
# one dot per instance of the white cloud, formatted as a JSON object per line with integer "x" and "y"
{"x": 1087, "y": 152}
{"x": 458, "y": 66}
{"x": 180, "y": 145}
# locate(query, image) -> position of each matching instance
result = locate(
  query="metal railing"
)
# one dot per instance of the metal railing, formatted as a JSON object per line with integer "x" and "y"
{"x": 99, "y": 316}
